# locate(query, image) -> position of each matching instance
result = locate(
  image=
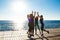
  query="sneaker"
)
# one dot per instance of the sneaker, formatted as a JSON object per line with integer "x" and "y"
{"x": 29, "y": 36}
{"x": 27, "y": 32}
{"x": 41, "y": 34}
{"x": 48, "y": 32}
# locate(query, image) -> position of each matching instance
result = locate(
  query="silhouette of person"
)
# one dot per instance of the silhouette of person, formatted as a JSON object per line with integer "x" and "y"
{"x": 28, "y": 16}
{"x": 36, "y": 24}
{"x": 42, "y": 25}
{"x": 31, "y": 25}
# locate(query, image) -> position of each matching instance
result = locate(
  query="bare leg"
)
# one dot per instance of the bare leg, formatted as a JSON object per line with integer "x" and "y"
{"x": 38, "y": 28}
{"x": 46, "y": 31}
{"x": 42, "y": 34}
{"x": 35, "y": 29}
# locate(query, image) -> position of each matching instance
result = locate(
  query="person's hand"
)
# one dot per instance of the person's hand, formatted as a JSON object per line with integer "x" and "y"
{"x": 38, "y": 13}
{"x": 35, "y": 13}
{"x": 32, "y": 12}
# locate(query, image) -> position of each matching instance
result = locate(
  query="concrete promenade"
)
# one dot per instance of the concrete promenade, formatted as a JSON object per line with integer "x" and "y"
{"x": 21, "y": 35}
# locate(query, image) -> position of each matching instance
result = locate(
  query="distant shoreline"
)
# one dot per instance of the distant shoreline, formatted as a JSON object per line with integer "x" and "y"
{"x": 52, "y": 20}
{"x": 51, "y": 28}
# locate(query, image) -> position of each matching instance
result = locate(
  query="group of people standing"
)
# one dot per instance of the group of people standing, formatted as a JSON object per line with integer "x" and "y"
{"x": 33, "y": 23}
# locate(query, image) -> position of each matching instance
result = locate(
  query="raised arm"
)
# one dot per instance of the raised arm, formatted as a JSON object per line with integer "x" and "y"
{"x": 38, "y": 14}
{"x": 34, "y": 13}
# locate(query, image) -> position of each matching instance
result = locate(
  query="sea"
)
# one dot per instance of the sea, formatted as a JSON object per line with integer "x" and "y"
{"x": 7, "y": 25}
{"x": 47, "y": 24}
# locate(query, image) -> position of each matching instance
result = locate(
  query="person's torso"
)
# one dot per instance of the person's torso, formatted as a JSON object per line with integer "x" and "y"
{"x": 41, "y": 21}
{"x": 36, "y": 20}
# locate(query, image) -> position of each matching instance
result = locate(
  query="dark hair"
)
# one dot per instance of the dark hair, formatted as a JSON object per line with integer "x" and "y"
{"x": 31, "y": 15}
{"x": 41, "y": 15}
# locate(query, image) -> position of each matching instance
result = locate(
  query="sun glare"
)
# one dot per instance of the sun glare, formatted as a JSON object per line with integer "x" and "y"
{"x": 18, "y": 8}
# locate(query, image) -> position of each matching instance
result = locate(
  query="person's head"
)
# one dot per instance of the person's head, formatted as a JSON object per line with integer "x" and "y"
{"x": 31, "y": 15}
{"x": 36, "y": 17}
{"x": 28, "y": 16}
{"x": 41, "y": 16}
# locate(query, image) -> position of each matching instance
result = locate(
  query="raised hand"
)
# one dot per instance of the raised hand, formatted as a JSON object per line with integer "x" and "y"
{"x": 34, "y": 13}
{"x": 38, "y": 13}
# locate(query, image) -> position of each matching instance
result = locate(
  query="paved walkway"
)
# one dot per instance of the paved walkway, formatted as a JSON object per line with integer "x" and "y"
{"x": 21, "y": 35}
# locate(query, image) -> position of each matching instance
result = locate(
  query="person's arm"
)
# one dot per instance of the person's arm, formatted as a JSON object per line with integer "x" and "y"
{"x": 34, "y": 14}
{"x": 38, "y": 14}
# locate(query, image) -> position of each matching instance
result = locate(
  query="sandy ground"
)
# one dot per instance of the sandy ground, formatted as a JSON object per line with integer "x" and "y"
{"x": 54, "y": 34}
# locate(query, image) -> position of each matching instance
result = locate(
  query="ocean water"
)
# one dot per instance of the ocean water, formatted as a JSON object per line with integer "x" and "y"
{"x": 52, "y": 23}
{"x": 47, "y": 24}
{"x": 6, "y": 25}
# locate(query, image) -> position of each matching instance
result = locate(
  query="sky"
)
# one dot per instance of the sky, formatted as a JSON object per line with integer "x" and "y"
{"x": 17, "y": 10}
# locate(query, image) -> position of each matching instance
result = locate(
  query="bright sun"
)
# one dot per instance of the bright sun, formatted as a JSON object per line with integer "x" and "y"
{"x": 18, "y": 8}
